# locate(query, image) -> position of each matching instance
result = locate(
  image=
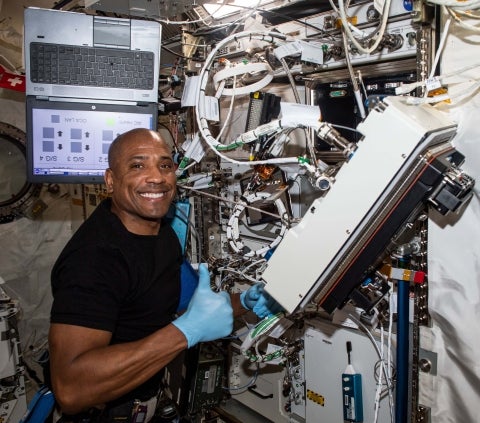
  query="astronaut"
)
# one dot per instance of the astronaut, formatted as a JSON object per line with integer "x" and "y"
{"x": 116, "y": 288}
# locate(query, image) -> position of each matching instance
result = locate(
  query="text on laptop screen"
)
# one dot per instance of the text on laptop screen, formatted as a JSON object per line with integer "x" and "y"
{"x": 69, "y": 142}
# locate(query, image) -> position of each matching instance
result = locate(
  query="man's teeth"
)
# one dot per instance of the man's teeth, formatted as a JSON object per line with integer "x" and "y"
{"x": 153, "y": 194}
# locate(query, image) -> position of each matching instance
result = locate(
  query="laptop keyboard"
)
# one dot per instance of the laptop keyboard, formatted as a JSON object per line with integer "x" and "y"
{"x": 91, "y": 66}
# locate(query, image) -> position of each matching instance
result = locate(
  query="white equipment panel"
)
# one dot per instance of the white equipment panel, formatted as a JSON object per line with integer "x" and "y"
{"x": 326, "y": 360}
{"x": 394, "y": 139}
{"x": 265, "y": 394}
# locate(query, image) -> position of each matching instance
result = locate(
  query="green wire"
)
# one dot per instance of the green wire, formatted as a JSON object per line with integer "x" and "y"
{"x": 265, "y": 324}
{"x": 232, "y": 146}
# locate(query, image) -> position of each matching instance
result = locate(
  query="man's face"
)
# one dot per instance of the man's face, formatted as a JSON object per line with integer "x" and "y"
{"x": 142, "y": 183}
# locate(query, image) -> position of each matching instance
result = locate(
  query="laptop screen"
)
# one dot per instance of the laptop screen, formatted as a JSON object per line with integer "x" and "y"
{"x": 68, "y": 142}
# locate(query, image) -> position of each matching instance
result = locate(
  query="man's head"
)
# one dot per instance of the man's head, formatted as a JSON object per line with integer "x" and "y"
{"x": 141, "y": 180}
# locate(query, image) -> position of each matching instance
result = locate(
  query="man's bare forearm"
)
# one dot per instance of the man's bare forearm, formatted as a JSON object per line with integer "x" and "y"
{"x": 102, "y": 372}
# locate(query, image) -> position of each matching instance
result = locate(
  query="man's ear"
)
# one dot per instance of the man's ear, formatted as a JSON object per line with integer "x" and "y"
{"x": 109, "y": 180}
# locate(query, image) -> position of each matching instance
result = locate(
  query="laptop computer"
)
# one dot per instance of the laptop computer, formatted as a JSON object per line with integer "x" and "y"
{"x": 76, "y": 55}
{"x": 88, "y": 79}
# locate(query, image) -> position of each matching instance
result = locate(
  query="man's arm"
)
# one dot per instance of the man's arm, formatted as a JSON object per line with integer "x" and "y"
{"x": 87, "y": 371}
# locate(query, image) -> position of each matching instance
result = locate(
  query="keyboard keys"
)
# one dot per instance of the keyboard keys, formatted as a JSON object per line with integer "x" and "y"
{"x": 91, "y": 66}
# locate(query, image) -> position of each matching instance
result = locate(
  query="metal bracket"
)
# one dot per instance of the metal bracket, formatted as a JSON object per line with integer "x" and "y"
{"x": 427, "y": 361}
{"x": 423, "y": 414}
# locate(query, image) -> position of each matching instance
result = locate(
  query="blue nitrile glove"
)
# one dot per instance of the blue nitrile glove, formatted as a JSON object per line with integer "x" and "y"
{"x": 259, "y": 301}
{"x": 209, "y": 314}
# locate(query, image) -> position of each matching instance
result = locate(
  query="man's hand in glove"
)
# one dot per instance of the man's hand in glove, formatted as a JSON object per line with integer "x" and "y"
{"x": 209, "y": 314}
{"x": 259, "y": 301}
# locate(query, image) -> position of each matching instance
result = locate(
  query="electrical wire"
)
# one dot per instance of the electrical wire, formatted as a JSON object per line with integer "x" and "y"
{"x": 356, "y": 89}
{"x": 406, "y": 88}
{"x": 351, "y": 37}
{"x": 379, "y": 354}
{"x": 216, "y": 197}
{"x": 254, "y": 263}
{"x": 258, "y": 333}
{"x": 252, "y": 267}
{"x": 202, "y": 121}
{"x": 175, "y": 53}
{"x": 233, "y": 232}
{"x": 379, "y": 382}
{"x": 461, "y": 5}
{"x": 292, "y": 19}
{"x": 230, "y": 110}
{"x": 467, "y": 14}
{"x": 237, "y": 272}
{"x": 293, "y": 85}
{"x": 471, "y": 92}
{"x": 202, "y": 20}
{"x": 440, "y": 48}
{"x": 455, "y": 14}
{"x": 389, "y": 350}
{"x": 362, "y": 34}
{"x": 210, "y": 26}
{"x": 348, "y": 128}
{"x": 248, "y": 15}
{"x": 247, "y": 385}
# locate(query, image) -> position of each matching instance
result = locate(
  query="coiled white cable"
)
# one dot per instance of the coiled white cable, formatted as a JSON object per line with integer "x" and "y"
{"x": 351, "y": 37}
{"x": 233, "y": 232}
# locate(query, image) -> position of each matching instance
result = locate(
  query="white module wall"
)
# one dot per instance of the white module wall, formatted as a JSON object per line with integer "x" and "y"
{"x": 325, "y": 361}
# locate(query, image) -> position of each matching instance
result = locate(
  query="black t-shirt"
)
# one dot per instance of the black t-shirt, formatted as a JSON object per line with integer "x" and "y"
{"x": 110, "y": 279}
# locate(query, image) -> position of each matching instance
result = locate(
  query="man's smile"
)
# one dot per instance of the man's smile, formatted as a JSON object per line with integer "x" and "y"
{"x": 153, "y": 194}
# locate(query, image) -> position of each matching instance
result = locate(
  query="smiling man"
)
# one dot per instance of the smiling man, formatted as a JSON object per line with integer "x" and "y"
{"x": 141, "y": 178}
{"x": 116, "y": 289}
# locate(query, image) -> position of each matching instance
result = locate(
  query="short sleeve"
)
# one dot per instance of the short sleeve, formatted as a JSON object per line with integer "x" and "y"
{"x": 88, "y": 286}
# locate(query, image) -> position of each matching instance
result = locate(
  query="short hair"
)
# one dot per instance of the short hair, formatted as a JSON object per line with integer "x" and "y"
{"x": 116, "y": 145}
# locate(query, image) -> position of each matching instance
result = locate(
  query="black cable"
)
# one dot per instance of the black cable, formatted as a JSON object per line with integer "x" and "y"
{"x": 61, "y": 4}
{"x": 201, "y": 32}
{"x": 175, "y": 53}
{"x": 169, "y": 131}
